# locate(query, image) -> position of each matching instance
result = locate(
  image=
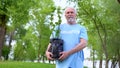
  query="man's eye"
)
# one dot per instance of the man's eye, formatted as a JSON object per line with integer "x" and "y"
{"x": 67, "y": 12}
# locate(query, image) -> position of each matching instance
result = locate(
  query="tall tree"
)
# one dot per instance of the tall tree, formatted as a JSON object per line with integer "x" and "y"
{"x": 38, "y": 31}
{"x": 16, "y": 13}
{"x": 101, "y": 17}
{"x": 12, "y": 9}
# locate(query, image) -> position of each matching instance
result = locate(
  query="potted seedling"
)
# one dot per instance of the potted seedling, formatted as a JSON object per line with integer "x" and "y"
{"x": 56, "y": 42}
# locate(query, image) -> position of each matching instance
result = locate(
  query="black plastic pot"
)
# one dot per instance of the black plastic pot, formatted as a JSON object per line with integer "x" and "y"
{"x": 56, "y": 47}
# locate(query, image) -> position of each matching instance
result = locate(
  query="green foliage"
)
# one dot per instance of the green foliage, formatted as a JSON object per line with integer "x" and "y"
{"x": 25, "y": 51}
{"x": 102, "y": 19}
{"x": 35, "y": 37}
{"x": 55, "y": 25}
{"x": 85, "y": 67}
{"x": 19, "y": 52}
{"x": 5, "y": 51}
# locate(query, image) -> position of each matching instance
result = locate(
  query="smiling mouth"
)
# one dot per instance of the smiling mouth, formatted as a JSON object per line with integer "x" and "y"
{"x": 70, "y": 16}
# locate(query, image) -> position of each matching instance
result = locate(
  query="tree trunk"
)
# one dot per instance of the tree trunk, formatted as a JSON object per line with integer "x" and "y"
{"x": 93, "y": 58}
{"x": 114, "y": 63}
{"x": 119, "y": 62}
{"x": 119, "y": 58}
{"x": 106, "y": 65}
{"x": 2, "y": 32}
{"x": 2, "y": 37}
{"x": 11, "y": 38}
{"x": 43, "y": 59}
{"x": 39, "y": 56}
{"x": 103, "y": 40}
{"x": 49, "y": 61}
{"x": 118, "y": 1}
{"x": 100, "y": 65}
{"x": 39, "y": 47}
{"x": 9, "y": 45}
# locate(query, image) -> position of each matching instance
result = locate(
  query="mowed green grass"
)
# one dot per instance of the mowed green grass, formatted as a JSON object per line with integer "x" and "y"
{"x": 16, "y": 64}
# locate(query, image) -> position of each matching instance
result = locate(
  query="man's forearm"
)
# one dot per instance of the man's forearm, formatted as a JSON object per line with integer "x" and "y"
{"x": 79, "y": 47}
{"x": 48, "y": 47}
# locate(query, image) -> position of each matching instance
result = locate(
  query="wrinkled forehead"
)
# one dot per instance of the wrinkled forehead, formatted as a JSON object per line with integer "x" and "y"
{"x": 70, "y": 10}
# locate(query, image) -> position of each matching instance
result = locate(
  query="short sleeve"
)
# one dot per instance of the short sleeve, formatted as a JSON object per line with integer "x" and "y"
{"x": 83, "y": 33}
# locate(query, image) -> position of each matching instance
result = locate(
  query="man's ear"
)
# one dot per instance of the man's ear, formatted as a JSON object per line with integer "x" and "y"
{"x": 75, "y": 15}
{"x": 65, "y": 15}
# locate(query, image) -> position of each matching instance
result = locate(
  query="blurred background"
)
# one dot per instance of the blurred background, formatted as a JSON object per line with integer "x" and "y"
{"x": 26, "y": 25}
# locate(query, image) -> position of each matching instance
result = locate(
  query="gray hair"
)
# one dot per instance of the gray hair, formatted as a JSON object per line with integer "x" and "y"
{"x": 71, "y": 8}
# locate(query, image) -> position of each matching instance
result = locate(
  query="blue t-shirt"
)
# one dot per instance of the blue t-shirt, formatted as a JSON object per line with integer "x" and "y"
{"x": 71, "y": 35}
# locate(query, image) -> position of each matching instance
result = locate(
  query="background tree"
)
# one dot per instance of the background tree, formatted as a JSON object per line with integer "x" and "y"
{"x": 39, "y": 34}
{"x": 11, "y": 10}
{"x": 101, "y": 19}
{"x": 15, "y": 15}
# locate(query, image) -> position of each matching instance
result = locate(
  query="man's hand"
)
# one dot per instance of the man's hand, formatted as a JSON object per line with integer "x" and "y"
{"x": 48, "y": 55}
{"x": 63, "y": 56}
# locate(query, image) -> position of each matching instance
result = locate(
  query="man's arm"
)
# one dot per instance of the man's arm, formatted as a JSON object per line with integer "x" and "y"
{"x": 49, "y": 54}
{"x": 48, "y": 46}
{"x": 79, "y": 47}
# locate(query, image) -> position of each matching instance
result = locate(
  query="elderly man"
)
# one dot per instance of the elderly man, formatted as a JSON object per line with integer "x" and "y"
{"x": 75, "y": 40}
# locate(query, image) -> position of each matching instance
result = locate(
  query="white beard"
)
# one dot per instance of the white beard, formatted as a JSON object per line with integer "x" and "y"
{"x": 71, "y": 20}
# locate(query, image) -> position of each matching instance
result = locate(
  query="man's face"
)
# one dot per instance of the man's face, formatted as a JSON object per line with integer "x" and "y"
{"x": 70, "y": 15}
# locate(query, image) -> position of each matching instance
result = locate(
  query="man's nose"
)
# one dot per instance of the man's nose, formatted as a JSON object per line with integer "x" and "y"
{"x": 70, "y": 14}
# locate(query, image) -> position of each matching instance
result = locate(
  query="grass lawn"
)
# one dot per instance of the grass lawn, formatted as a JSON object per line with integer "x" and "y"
{"x": 16, "y": 64}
